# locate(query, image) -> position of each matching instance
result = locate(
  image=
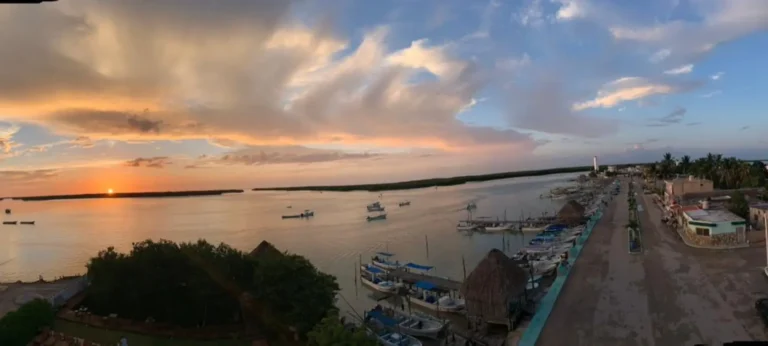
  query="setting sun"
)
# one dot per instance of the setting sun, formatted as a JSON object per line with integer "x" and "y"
{"x": 110, "y": 191}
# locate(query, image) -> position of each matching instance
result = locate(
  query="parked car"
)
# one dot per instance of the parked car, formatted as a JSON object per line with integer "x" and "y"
{"x": 761, "y": 305}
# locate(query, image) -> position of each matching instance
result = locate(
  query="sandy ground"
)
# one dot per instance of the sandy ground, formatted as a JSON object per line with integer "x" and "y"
{"x": 10, "y": 293}
{"x": 669, "y": 295}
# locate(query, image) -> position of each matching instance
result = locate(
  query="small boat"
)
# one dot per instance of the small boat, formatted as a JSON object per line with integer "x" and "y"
{"x": 7, "y": 211}
{"x": 532, "y": 228}
{"x": 10, "y": 222}
{"x": 382, "y": 260}
{"x": 27, "y": 222}
{"x": 426, "y": 297}
{"x": 306, "y": 213}
{"x": 471, "y": 206}
{"x": 375, "y": 278}
{"x": 377, "y": 217}
{"x": 403, "y": 204}
{"x": 397, "y": 339}
{"x": 548, "y": 249}
{"x": 466, "y": 226}
{"x": 499, "y": 227}
{"x": 375, "y": 208}
{"x": 410, "y": 324}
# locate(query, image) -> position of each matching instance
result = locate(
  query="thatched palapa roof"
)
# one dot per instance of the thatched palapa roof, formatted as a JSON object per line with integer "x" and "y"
{"x": 492, "y": 286}
{"x": 265, "y": 248}
{"x": 571, "y": 212}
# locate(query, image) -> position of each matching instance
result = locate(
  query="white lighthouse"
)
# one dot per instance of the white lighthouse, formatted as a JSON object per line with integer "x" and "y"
{"x": 594, "y": 163}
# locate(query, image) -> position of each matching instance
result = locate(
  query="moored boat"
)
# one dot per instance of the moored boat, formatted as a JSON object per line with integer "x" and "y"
{"x": 533, "y": 228}
{"x": 382, "y": 216}
{"x": 306, "y": 213}
{"x": 467, "y": 226}
{"x": 376, "y": 278}
{"x": 397, "y": 339}
{"x": 383, "y": 261}
{"x": 10, "y": 222}
{"x": 403, "y": 322}
{"x": 404, "y": 203}
{"x": 426, "y": 295}
{"x": 27, "y": 222}
{"x": 375, "y": 206}
{"x": 500, "y": 227}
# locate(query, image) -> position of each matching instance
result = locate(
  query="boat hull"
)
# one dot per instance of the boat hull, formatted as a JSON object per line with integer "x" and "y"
{"x": 378, "y": 287}
{"x": 457, "y": 308}
{"x": 411, "y": 342}
{"x": 385, "y": 266}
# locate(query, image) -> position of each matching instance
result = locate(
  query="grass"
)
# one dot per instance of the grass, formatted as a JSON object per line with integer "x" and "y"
{"x": 111, "y": 337}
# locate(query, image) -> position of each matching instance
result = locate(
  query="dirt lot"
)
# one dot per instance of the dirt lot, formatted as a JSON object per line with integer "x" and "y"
{"x": 669, "y": 295}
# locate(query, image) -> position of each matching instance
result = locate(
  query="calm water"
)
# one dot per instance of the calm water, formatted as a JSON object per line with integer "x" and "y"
{"x": 68, "y": 233}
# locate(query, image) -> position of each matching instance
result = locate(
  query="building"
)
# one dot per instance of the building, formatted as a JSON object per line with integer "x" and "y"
{"x": 612, "y": 169}
{"x": 713, "y": 226}
{"x": 677, "y": 188}
{"x": 757, "y": 215}
{"x": 594, "y": 164}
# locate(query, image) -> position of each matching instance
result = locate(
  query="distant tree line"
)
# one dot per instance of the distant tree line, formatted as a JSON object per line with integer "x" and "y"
{"x": 724, "y": 172}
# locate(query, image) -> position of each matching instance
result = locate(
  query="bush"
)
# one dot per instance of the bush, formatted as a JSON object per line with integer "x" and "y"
{"x": 330, "y": 332}
{"x": 19, "y": 327}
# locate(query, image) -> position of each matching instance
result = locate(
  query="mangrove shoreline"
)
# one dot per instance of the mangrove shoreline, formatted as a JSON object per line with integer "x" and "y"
{"x": 424, "y": 183}
{"x": 157, "y": 194}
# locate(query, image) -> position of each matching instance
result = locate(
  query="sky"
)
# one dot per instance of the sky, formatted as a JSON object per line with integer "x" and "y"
{"x": 197, "y": 94}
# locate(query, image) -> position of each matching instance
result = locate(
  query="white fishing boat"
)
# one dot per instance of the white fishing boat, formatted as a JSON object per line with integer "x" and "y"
{"x": 541, "y": 267}
{"x": 376, "y": 278}
{"x": 383, "y": 261}
{"x": 426, "y": 297}
{"x": 403, "y": 322}
{"x": 467, "y": 226}
{"x": 375, "y": 206}
{"x": 548, "y": 249}
{"x": 533, "y": 228}
{"x": 382, "y": 216}
{"x": 397, "y": 339}
{"x": 500, "y": 227}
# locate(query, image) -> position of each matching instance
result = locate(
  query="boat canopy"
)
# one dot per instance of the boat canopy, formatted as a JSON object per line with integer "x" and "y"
{"x": 385, "y": 254}
{"x": 373, "y": 269}
{"x": 425, "y": 285}
{"x": 556, "y": 227}
{"x": 418, "y": 266}
{"x": 384, "y": 319}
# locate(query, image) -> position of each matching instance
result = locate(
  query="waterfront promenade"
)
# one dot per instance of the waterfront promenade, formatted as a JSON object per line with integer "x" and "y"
{"x": 669, "y": 295}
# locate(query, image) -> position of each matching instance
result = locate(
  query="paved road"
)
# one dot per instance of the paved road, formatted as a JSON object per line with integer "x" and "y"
{"x": 670, "y": 295}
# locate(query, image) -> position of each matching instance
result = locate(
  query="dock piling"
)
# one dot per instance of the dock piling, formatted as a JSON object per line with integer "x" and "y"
{"x": 426, "y": 243}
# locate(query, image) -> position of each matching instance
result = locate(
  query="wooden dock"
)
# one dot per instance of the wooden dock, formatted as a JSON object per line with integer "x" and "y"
{"x": 410, "y": 277}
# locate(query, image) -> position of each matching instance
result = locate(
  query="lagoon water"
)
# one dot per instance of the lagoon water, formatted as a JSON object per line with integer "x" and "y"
{"x": 69, "y": 232}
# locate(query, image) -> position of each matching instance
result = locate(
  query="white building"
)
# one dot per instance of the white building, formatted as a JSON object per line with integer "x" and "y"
{"x": 612, "y": 169}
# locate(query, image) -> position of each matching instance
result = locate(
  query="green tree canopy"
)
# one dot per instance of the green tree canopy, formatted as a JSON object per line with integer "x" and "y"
{"x": 739, "y": 205}
{"x": 330, "y": 332}
{"x": 199, "y": 284}
{"x": 18, "y": 328}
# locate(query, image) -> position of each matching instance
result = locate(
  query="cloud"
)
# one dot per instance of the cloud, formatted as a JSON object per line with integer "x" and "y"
{"x": 744, "y": 128}
{"x": 82, "y": 142}
{"x": 233, "y": 69}
{"x": 717, "y": 76}
{"x": 680, "y": 70}
{"x": 711, "y": 94}
{"x": 674, "y": 117}
{"x": 28, "y": 176}
{"x": 513, "y": 64}
{"x": 546, "y": 107}
{"x": 716, "y": 22}
{"x": 695, "y": 123}
{"x": 633, "y": 89}
{"x": 660, "y": 55}
{"x": 572, "y": 9}
{"x": 151, "y": 162}
{"x": 531, "y": 15}
{"x": 254, "y": 156}
{"x": 7, "y": 131}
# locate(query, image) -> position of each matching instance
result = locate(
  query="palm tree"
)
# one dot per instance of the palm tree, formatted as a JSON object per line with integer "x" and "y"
{"x": 685, "y": 164}
{"x": 667, "y": 165}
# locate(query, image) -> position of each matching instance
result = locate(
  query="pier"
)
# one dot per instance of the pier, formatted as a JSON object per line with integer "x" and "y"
{"x": 439, "y": 282}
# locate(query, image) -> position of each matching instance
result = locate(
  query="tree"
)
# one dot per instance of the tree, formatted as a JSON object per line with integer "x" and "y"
{"x": 739, "y": 205}
{"x": 18, "y": 328}
{"x": 294, "y": 290}
{"x": 330, "y": 332}
{"x": 593, "y": 174}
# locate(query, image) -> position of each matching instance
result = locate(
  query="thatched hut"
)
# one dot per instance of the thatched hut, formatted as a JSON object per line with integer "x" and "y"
{"x": 571, "y": 213}
{"x": 494, "y": 289}
{"x": 265, "y": 247}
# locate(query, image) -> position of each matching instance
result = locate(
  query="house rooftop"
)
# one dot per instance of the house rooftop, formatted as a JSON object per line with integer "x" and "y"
{"x": 712, "y": 215}
{"x": 761, "y": 206}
